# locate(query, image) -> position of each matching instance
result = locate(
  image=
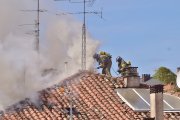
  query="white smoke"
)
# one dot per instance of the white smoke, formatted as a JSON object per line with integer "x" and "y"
{"x": 23, "y": 71}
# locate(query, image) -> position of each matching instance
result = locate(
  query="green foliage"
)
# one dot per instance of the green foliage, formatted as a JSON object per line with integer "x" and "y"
{"x": 166, "y": 75}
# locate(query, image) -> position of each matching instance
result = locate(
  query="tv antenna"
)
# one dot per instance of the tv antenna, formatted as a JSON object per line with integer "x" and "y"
{"x": 70, "y": 96}
{"x": 83, "y": 54}
{"x": 37, "y": 24}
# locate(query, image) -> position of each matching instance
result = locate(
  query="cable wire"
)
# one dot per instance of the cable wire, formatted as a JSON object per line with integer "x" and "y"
{"x": 114, "y": 71}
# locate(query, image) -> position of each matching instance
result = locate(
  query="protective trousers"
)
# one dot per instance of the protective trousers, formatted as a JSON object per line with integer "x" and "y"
{"x": 107, "y": 69}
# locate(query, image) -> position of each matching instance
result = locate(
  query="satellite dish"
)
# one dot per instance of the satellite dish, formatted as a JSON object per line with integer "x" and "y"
{"x": 178, "y": 77}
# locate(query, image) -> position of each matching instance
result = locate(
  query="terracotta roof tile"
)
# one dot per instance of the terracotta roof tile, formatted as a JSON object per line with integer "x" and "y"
{"x": 93, "y": 98}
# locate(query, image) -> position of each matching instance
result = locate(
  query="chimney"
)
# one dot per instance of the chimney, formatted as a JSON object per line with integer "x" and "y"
{"x": 146, "y": 77}
{"x": 156, "y": 102}
{"x": 132, "y": 79}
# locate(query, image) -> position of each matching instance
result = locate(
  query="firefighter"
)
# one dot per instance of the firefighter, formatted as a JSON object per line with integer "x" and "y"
{"x": 104, "y": 61}
{"x": 122, "y": 65}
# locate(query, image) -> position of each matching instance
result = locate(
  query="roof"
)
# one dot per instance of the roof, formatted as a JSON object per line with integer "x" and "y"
{"x": 93, "y": 98}
{"x": 153, "y": 82}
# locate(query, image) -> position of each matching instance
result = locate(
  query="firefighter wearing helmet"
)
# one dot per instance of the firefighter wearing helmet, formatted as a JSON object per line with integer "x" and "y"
{"x": 104, "y": 61}
{"x": 122, "y": 65}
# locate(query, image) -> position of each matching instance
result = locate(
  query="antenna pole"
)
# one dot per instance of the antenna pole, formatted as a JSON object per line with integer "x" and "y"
{"x": 38, "y": 29}
{"x": 84, "y": 40}
{"x": 71, "y": 105}
{"x": 83, "y": 52}
{"x": 70, "y": 99}
{"x": 37, "y": 24}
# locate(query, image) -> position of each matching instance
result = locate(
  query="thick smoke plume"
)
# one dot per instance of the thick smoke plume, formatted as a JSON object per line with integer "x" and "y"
{"x": 24, "y": 71}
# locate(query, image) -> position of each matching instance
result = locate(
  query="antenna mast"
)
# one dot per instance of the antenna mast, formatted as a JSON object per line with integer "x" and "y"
{"x": 38, "y": 23}
{"x": 83, "y": 55}
{"x": 83, "y": 59}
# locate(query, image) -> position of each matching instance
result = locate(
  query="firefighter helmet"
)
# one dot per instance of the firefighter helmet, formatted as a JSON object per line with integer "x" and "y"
{"x": 102, "y": 53}
{"x": 118, "y": 59}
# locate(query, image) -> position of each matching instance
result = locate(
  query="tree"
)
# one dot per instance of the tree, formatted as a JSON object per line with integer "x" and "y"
{"x": 166, "y": 75}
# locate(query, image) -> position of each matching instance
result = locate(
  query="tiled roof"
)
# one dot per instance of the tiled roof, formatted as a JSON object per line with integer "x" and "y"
{"x": 93, "y": 99}
{"x": 153, "y": 82}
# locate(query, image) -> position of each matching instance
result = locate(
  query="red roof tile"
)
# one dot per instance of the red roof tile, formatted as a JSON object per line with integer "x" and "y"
{"x": 93, "y": 97}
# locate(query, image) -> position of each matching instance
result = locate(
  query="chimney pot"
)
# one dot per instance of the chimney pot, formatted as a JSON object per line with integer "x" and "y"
{"x": 146, "y": 77}
{"x": 156, "y": 89}
{"x": 132, "y": 79}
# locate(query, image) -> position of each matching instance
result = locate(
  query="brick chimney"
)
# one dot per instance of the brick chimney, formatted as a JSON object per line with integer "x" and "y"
{"x": 132, "y": 79}
{"x": 146, "y": 77}
{"x": 156, "y": 102}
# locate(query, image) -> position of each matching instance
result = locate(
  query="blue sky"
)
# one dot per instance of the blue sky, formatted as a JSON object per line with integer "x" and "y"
{"x": 146, "y": 32}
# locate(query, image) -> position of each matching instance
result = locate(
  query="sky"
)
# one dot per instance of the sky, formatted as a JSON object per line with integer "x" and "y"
{"x": 145, "y": 32}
